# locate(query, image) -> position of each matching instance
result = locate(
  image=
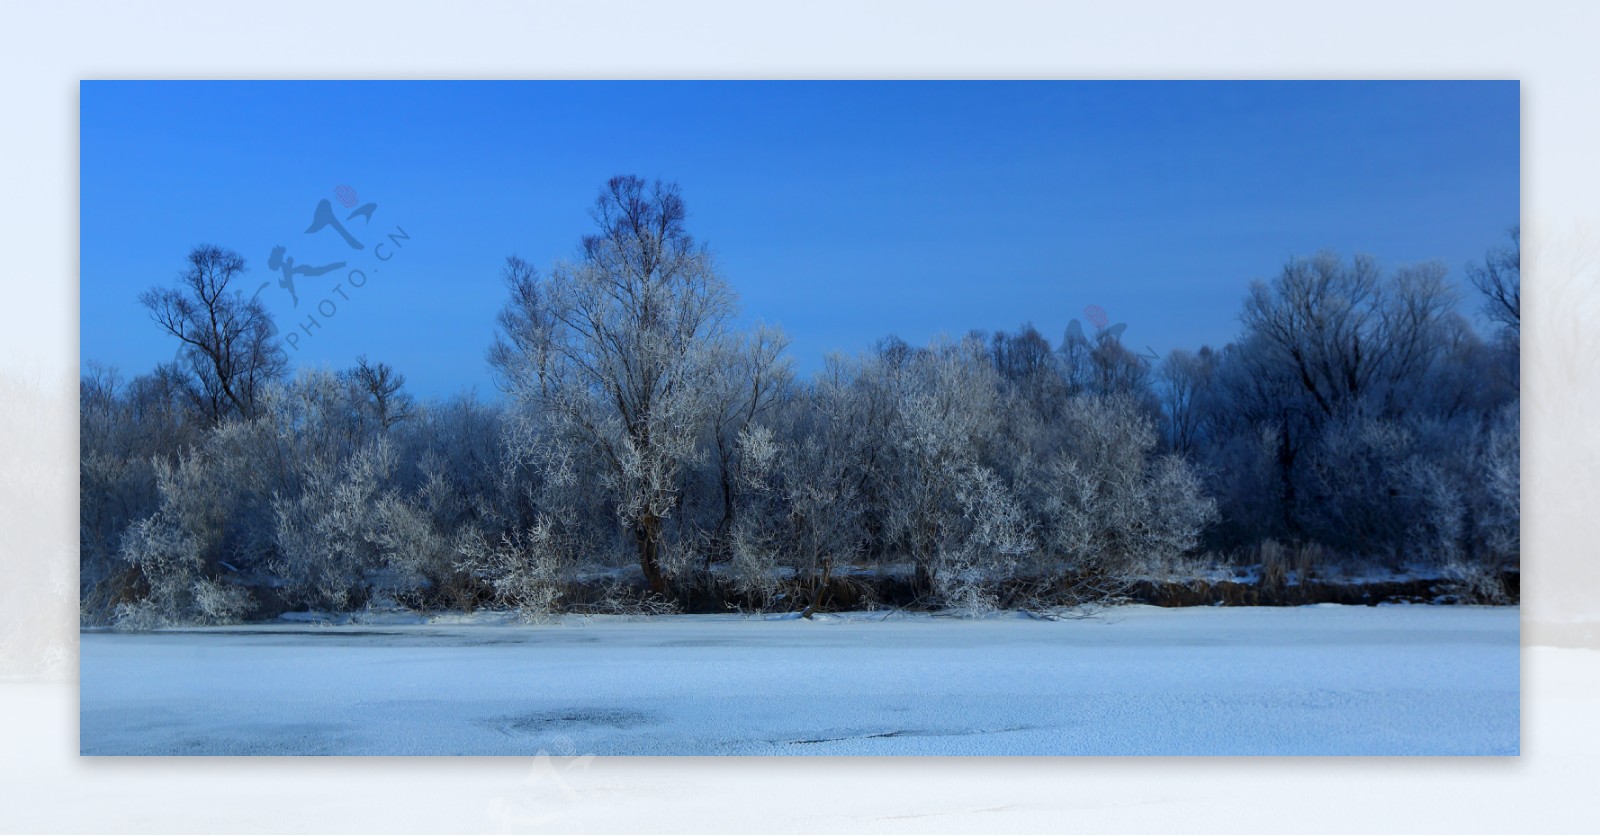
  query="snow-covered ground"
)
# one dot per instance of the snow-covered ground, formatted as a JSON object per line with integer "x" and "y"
{"x": 1324, "y": 679}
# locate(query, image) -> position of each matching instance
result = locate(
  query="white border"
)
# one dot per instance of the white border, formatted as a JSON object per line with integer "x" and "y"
{"x": 47, "y": 47}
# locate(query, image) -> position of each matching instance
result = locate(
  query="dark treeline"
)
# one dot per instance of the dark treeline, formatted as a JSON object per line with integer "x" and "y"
{"x": 647, "y": 454}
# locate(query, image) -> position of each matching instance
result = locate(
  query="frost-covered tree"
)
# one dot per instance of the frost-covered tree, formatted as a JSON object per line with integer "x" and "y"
{"x": 1325, "y": 341}
{"x": 343, "y": 529}
{"x": 623, "y": 349}
{"x": 753, "y": 378}
{"x": 802, "y": 512}
{"x": 347, "y": 536}
{"x": 1112, "y": 504}
{"x": 1359, "y": 414}
{"x": 181, "y": 551}
{"x": 1496, "y": 506}
{"x": 958, "y": 524}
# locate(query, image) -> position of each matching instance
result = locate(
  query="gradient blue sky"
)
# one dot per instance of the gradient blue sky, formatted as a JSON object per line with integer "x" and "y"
{"x": 844, "y": 211}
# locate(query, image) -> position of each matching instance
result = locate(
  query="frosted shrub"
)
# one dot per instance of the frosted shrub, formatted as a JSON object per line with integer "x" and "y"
{"x": 753, "y": 566}
{"x": 1476, "y": 581}
{"x": 799, "y": 504}
{"x": 138, "y": 616}
{"x": 1181, "y": 509}
{"x": 1112, "y": 506}
{"x": 957, "y": 520}
{"x": 169, "y": 549}
{"x": 322, "y": 555}
{"x": 1370, "y": 493}
{"x": 345, "y": 536}
{"x": 620, "y": 598}
{"x": 169, "y": 561}
{"x": 754, "y": 541}
{"x": 526, "y": 569}
{"x": 996, "y": 533}
{"x": 1438, "y": 515}
{"x": 1499, "y": 510}
{"x": 219, "y": 603}
{"x": 758, "y": 456}
{"x": 411, "y": 550}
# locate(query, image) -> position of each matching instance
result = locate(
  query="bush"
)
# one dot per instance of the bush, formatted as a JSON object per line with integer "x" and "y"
{"x": 526, "y": 569}
{"x": 221, "y": 603}
{"x": 1112, "y": 506}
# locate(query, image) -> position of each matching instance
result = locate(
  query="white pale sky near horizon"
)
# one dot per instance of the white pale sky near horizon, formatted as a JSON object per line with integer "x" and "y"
{"x": 842, "y": 211}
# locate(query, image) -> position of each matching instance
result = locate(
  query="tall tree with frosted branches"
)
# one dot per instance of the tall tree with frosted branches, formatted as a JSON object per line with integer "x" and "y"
{"x": 622, "y": 349}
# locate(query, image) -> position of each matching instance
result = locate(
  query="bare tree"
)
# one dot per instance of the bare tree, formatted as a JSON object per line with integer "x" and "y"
{"x": 1185, "y": 384}
{"x": 1075, "y": 354}
{"x": 1115, "y": 369}
{"x": 381, "y": 388}
{"x": 1022, "y": 356}
{"x": 1499, "y": 278}
{"x": 227, "y": 337}
{"x": 1349, "y": 335}
{"x": 621, "y": 350}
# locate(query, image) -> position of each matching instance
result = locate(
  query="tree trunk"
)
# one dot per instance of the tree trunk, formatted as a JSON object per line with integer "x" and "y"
{"x": 647, "y": 535}
{"x": 822, "y": 589}
{"x": 923, "y": 582}
{"x": 1286, "y": 459}
{"x": 722, "y": 543}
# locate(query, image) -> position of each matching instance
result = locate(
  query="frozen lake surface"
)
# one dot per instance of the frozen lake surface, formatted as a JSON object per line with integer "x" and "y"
{"x": 1320, "y": 680}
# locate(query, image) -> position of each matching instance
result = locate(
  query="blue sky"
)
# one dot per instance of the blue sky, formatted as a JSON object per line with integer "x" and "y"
{"x": 843, "y": 211}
